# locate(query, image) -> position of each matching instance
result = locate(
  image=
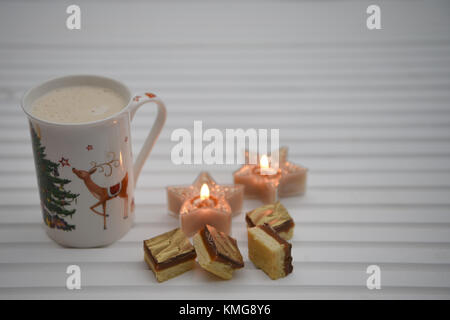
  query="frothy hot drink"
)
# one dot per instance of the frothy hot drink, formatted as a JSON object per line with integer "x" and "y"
{"x": 78, "y": 104}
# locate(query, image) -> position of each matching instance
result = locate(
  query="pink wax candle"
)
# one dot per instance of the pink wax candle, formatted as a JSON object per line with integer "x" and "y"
{"x": 259, "y": 181}
{"x": 203, "y": 209}
{"x": 177, "y": 195}
{"x": 268, "y": 183}
{"x": 293, "y": 180}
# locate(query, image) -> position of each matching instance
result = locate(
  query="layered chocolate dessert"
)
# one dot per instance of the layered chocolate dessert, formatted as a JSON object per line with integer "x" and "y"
{"x": 169, "y": 254}
{"x": 276, "y": 216}
{"x": 269, "y": 252}
{"x": 217, "y": 252}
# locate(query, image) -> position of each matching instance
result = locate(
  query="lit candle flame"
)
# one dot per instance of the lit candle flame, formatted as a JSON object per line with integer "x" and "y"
{"x": 204, "y": 192}
{"x": 264, "y": 166}
{"x": 264, "y": 162}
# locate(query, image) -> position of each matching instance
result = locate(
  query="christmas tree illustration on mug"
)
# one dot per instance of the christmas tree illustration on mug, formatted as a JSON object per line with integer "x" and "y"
{"x": 54, "y": 198}
{"x": 103, "y": 194}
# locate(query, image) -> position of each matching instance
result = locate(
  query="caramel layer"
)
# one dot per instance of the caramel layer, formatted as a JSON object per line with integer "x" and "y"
{"x": 221, "y": 247}
{"x": 172, "y": 261}
{"x": 285, "y": 226}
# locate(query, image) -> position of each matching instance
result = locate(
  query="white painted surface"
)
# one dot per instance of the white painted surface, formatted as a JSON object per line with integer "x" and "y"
{"x": 367, "y": 111}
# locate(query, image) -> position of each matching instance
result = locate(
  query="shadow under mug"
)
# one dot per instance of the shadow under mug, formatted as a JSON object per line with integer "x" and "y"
{"x": 85, "y": 171}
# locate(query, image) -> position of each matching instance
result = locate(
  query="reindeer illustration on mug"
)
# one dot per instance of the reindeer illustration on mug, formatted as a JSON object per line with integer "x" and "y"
{"x": 103, "y": 194}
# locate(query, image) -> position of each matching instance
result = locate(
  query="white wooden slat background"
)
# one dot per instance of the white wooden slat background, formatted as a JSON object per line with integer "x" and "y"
{"x": 368, "y": 112}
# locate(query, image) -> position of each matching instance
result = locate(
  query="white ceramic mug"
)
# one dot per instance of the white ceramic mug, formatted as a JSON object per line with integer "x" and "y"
{"x": 86, "y": 175}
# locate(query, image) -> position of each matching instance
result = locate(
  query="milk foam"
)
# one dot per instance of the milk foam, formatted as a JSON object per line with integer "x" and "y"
{"x": 78, "y": 104}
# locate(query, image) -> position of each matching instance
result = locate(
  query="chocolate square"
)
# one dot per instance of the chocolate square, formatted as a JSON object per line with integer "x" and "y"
{"x": 169, "y": 249}
{"x": 286, "y": 246}
{"x": 221, "y": 247}
{"x": 275, "y": 215}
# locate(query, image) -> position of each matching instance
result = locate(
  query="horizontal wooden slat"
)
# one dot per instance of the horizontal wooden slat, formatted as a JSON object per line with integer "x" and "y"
{"x": 361, "y": 180}
{"x": 316, "y": 233}
{"x": 304, "y": 252}
{"x": 406, "y": 215}
{"x": 376, "y": 164}
{"x": 281, "y": 120}
{"x": 290, "y": 135}
{"x": 266, "y": 292}
{"x": 137, "y": 274}
{"x": 302, "y": 149}
{"x": 320, "y": 197}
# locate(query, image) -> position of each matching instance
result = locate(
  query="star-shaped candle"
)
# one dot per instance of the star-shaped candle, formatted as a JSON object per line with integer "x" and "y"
{"x": 205, "y": 202}
{"x": 267, "y": 182}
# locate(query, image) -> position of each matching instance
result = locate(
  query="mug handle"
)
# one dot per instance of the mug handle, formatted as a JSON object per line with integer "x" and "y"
{"x": 137, "y": 101}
